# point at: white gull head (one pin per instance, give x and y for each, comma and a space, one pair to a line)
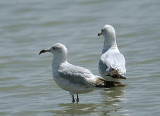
58, 49
109, 37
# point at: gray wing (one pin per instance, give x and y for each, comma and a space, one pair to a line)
112, 61
76, 74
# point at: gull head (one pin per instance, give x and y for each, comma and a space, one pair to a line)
56, 49
107, 30
109, 36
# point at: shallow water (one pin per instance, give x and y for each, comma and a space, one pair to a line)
26, 84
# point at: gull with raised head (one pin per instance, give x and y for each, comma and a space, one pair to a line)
112, 62
75, 79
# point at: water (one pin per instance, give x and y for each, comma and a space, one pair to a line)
26, 84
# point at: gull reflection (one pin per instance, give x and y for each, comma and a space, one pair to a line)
110, 99
104, 105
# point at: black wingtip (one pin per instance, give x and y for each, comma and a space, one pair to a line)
109, 84
114, 74
103, 83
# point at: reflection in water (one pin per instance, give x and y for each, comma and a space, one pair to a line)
108, 104
110, 99
112, 95
75, 109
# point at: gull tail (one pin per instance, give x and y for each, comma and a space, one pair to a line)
114, 74
103, 83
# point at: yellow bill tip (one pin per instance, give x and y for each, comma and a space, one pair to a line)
99, 34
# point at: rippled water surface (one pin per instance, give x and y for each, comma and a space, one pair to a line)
26, 84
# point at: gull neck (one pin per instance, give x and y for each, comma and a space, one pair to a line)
58, 60
109, 43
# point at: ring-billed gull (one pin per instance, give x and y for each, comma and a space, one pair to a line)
75, 79
112, 62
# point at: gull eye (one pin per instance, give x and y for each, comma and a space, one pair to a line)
101, 30
54, 48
